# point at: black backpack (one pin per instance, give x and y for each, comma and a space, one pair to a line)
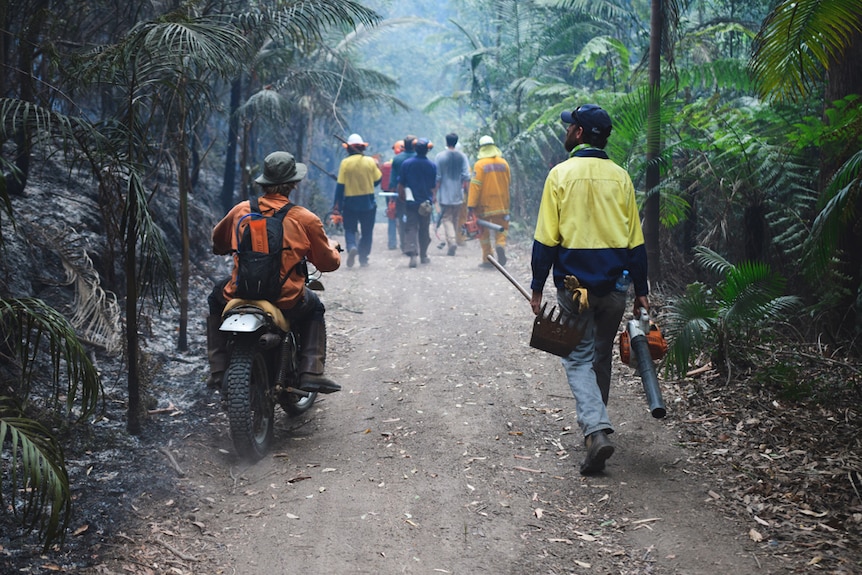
259, 254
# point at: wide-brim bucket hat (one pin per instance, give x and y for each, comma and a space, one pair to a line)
281, 168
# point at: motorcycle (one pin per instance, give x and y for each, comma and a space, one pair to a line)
263, 370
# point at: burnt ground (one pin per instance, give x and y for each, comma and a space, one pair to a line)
453, 448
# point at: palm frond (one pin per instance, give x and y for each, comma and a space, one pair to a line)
5, 204
96, 313
689, 324
303, 21
603, 9
27, 322
798, 40
711, 261
746, 293
180, 41
267, 104
839, 209
35, 466
155, 275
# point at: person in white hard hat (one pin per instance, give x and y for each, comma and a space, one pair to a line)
488, 198
354, 198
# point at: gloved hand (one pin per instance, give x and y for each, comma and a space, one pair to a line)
579, 294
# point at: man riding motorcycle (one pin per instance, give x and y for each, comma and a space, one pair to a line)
304, 239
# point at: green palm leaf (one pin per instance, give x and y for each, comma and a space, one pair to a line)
798, 40
27, 322
690, 327
838, 212
33, 465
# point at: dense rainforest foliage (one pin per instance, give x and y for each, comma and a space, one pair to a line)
739, 121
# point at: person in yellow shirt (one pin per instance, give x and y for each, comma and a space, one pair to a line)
488, 198
588, 227
354, 198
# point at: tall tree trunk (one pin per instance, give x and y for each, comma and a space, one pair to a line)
843, 79
183, 184
133, 414
245, 177
26, 51
229, 181
652, 206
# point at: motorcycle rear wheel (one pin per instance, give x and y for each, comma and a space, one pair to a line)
251, 410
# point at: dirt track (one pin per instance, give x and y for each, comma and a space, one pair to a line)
453, 448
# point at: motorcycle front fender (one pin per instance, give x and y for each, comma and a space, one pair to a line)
243, 323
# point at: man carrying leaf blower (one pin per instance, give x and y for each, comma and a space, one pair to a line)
588, 230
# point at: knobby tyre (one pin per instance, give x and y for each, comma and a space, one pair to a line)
250, 407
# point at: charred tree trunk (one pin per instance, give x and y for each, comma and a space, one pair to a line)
26, 57
229, 181
133, 413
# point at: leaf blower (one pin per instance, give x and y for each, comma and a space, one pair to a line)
640, 344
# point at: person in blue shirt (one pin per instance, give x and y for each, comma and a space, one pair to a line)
417, 185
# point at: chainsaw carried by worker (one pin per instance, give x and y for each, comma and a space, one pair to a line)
471, 230
264, 351
641, 343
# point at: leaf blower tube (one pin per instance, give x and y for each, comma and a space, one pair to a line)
645, 366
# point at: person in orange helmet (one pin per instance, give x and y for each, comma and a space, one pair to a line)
388, 185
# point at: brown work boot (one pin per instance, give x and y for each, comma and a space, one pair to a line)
312, 339
318, 383
501, 255
217, 353
599, 449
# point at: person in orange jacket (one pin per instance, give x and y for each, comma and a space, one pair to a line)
387, 184
306, 238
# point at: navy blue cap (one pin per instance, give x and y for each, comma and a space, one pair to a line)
591, 118
422, 145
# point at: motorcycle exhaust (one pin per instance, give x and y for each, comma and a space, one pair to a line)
269, 340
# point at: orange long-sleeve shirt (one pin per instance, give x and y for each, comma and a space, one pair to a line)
303, 233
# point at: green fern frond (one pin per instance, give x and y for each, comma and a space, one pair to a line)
725, 74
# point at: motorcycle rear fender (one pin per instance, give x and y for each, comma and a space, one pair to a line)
262, 312
243, 322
